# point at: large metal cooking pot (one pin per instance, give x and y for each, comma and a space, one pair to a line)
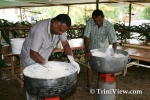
52, 87
109, 65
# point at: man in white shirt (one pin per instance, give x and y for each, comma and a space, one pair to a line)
41, 40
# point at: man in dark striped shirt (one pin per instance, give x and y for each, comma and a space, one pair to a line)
98, 33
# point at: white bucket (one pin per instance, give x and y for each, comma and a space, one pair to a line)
16, 45
59, 44
78, 42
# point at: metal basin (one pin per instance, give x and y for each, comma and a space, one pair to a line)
109, 65
51, 87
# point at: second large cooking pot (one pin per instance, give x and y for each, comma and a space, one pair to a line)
109, 64
52, 87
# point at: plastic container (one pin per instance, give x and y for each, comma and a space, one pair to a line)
77, 42
16, 45
59, 44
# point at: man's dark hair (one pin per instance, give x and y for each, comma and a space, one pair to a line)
63, 18
97, 13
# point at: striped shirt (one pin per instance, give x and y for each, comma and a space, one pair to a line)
40, 40
99, 37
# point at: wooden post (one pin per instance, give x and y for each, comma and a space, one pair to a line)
130, 5
97, 4
20, 14
68, 9
85, 13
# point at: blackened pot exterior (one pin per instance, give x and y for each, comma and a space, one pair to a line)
109, 65
50, 87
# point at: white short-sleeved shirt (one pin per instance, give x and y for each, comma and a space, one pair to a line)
100, 37
40, 40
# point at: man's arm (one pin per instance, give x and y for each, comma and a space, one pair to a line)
114, 46
86, 43
112, 36
66, 47
87, 32
37, 57
68, 51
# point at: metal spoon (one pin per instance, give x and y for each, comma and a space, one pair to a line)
46, 67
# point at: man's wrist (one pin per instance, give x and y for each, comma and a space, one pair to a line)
70, 57
45, 63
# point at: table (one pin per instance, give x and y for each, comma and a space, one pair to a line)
7, 52
138, 54
72, 48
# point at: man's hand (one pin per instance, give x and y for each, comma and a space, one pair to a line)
112, 52
75, 64
46, 65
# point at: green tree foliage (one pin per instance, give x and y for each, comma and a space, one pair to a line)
49, 12
146, 14
80, 13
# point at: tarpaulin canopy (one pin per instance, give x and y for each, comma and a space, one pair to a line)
37, 3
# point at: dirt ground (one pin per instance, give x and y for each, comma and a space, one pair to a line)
135, 79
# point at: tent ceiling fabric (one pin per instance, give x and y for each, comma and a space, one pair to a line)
33, 3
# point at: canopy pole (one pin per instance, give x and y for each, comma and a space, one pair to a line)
97, 4
130, 5
68, 9
85, 13
20, 14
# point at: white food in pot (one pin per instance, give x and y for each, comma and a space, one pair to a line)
102, 54
55, 70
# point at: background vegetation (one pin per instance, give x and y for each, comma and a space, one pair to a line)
80, 13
